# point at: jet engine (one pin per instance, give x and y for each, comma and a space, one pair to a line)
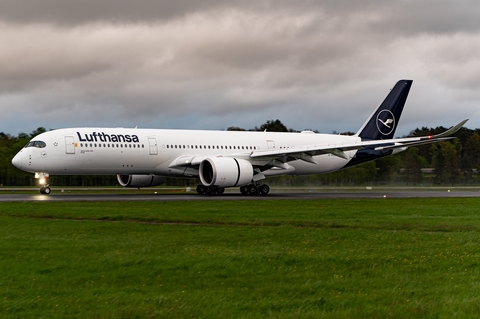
139, 181
225, 172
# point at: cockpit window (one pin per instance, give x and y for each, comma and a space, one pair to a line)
37, 144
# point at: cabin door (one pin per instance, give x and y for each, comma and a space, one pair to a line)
270, 144
153, 149
69, 145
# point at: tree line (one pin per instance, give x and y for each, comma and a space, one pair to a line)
454, 162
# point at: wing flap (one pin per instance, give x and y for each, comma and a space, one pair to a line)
306, 153
413, 143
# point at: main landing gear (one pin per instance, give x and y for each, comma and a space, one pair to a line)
250, 189
210, 190
255, 189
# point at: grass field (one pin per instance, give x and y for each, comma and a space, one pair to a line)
385, 258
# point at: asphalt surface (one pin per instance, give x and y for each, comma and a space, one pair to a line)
66, 197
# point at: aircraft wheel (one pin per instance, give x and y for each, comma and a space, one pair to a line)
220, 190
208, 190
243, 190
264, 189
45, 190
201, 189
252, 189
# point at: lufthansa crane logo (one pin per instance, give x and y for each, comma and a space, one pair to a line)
385, 122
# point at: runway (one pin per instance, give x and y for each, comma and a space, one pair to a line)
275, 195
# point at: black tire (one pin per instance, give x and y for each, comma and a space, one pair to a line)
243, 190
220, 190
264, 189
45, 190
252, 189
201, 189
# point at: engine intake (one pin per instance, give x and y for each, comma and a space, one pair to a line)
225, 172
139, 181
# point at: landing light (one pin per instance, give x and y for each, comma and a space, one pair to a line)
42, 181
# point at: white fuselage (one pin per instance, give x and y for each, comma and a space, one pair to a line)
103, 151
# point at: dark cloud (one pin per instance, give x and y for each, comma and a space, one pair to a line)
212, 64
93, 11
407, 15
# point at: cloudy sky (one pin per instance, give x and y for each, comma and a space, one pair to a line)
211, 64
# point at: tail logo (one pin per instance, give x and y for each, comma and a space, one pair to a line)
385, 122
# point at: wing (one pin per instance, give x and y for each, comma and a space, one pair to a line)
279, 158
306, 153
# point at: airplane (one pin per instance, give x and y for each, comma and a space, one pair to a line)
220, 159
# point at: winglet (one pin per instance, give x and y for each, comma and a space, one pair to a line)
452, 130
424, 140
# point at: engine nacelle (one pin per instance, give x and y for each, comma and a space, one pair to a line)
139, 181
225, 172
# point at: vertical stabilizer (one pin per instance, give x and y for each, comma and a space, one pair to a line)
383, 122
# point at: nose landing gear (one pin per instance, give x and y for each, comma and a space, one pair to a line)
45, 190
42, 180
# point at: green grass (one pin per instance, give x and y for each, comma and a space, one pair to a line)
386, 258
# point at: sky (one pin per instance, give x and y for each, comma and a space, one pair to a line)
211, 64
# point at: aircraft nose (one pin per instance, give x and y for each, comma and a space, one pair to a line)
17, 161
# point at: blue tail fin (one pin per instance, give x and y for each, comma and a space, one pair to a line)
383, 122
